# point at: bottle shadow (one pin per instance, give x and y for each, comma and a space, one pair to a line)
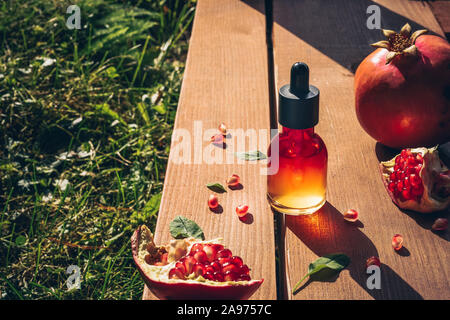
327, 232
385, 153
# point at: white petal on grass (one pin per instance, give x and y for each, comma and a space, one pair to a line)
47, 198
115, 122
76, 121
62, 184
48, 62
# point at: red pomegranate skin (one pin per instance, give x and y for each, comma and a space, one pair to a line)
406, 103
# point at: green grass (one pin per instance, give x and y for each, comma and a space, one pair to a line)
85, 123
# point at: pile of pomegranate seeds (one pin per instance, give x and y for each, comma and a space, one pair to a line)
212, 262
397, 242
351, 215
405, 182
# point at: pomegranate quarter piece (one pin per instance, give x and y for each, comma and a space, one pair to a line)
194, 270
418, 180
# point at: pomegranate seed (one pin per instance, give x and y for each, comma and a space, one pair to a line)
223, 129
373, 261
209, 276
230, 276
391, 186
242, 210
244, 277
189, 263
440, 224
414, 179
216, 265
211, 251
180, 265
418, 168
196, 247
419, 158
244, 269
233, 181
176, 273
237, 261
210, 269
411, 161
397, 242
351, 215
213, 201
200, 256
224, 253
218, 276
199, 269
223, 261
227, 267
217, 139
406, 195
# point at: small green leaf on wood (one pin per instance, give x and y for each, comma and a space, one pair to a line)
334, 262
251, 155
216, 187
182, 227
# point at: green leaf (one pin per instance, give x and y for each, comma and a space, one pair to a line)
334, 262
20, 241
160, 108
182, 227
251, 155
216, 187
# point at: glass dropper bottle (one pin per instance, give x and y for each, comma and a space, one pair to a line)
299, 184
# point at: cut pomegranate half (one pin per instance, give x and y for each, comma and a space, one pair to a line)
417, 179
192, 269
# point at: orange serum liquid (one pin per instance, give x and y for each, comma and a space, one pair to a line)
299, 185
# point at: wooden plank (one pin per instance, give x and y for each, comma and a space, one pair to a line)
332, 38
225, 81
441, 10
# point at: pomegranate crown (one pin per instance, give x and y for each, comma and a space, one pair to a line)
399, 43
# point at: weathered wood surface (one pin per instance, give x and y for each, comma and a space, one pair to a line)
331, 37
225, 81
441, 10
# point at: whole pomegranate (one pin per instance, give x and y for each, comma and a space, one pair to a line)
402, 90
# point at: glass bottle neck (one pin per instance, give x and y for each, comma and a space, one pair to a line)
298, 133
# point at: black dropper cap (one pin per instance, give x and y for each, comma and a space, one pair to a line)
298, 102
